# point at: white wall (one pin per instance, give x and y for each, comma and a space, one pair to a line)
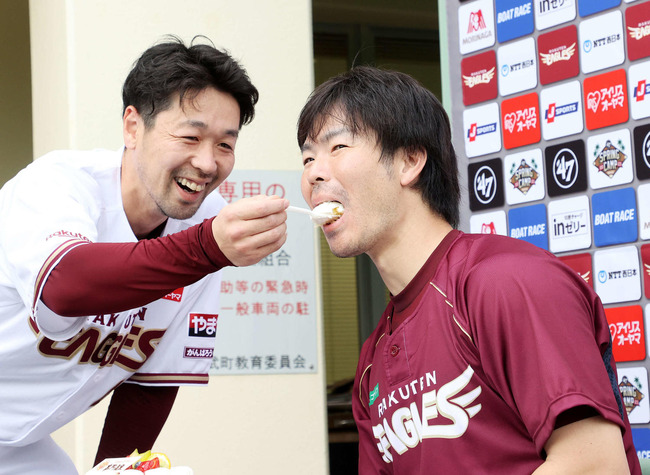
81, 52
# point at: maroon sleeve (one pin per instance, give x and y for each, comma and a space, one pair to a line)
99, 278
135, 417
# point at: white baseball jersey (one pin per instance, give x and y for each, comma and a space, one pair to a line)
54, 368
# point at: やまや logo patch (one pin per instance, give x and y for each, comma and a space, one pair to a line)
202, 324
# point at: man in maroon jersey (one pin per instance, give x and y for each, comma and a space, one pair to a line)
492, 356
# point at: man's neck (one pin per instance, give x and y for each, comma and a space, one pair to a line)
142, 223
412, 245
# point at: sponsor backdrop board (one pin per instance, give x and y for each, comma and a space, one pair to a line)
552, 129
269, 307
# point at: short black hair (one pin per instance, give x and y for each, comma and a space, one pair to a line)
172, 67
402, 114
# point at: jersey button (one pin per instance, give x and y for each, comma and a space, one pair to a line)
394, 350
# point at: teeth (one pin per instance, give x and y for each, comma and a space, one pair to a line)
190, 184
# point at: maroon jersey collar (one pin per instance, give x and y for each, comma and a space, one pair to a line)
413, 290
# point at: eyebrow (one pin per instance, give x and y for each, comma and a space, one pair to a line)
199, 124
329, 135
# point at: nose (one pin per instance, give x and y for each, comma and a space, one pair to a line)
205, 160
316, 171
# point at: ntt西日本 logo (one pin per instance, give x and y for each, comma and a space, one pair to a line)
601, 40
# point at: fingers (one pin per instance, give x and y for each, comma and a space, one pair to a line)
251, 228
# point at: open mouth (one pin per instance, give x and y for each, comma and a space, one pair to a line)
327, 212
189, 186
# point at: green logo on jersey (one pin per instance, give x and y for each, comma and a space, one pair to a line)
374, 394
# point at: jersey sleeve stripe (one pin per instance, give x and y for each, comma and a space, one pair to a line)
50, 262
169, 378
360, 384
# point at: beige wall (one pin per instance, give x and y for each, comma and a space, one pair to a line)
15, 89
81, 52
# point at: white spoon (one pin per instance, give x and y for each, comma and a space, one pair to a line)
324, 213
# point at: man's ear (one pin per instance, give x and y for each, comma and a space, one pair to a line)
412, 163
131, 125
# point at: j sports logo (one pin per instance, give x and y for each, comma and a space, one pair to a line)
476, 130
605, 99
476, 26
637, 20
562, 106
520, 119
554, 111
639, 89
479, 77
558, 55
482, 130
202, 324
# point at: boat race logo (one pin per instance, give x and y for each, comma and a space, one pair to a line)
514, 19
610, 159
631, 393
524, 176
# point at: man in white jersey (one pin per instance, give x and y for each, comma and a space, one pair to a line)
109, 260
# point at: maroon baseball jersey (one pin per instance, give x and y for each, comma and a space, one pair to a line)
474, 360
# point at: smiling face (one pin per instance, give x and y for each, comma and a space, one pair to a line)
340, 166
175, 163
